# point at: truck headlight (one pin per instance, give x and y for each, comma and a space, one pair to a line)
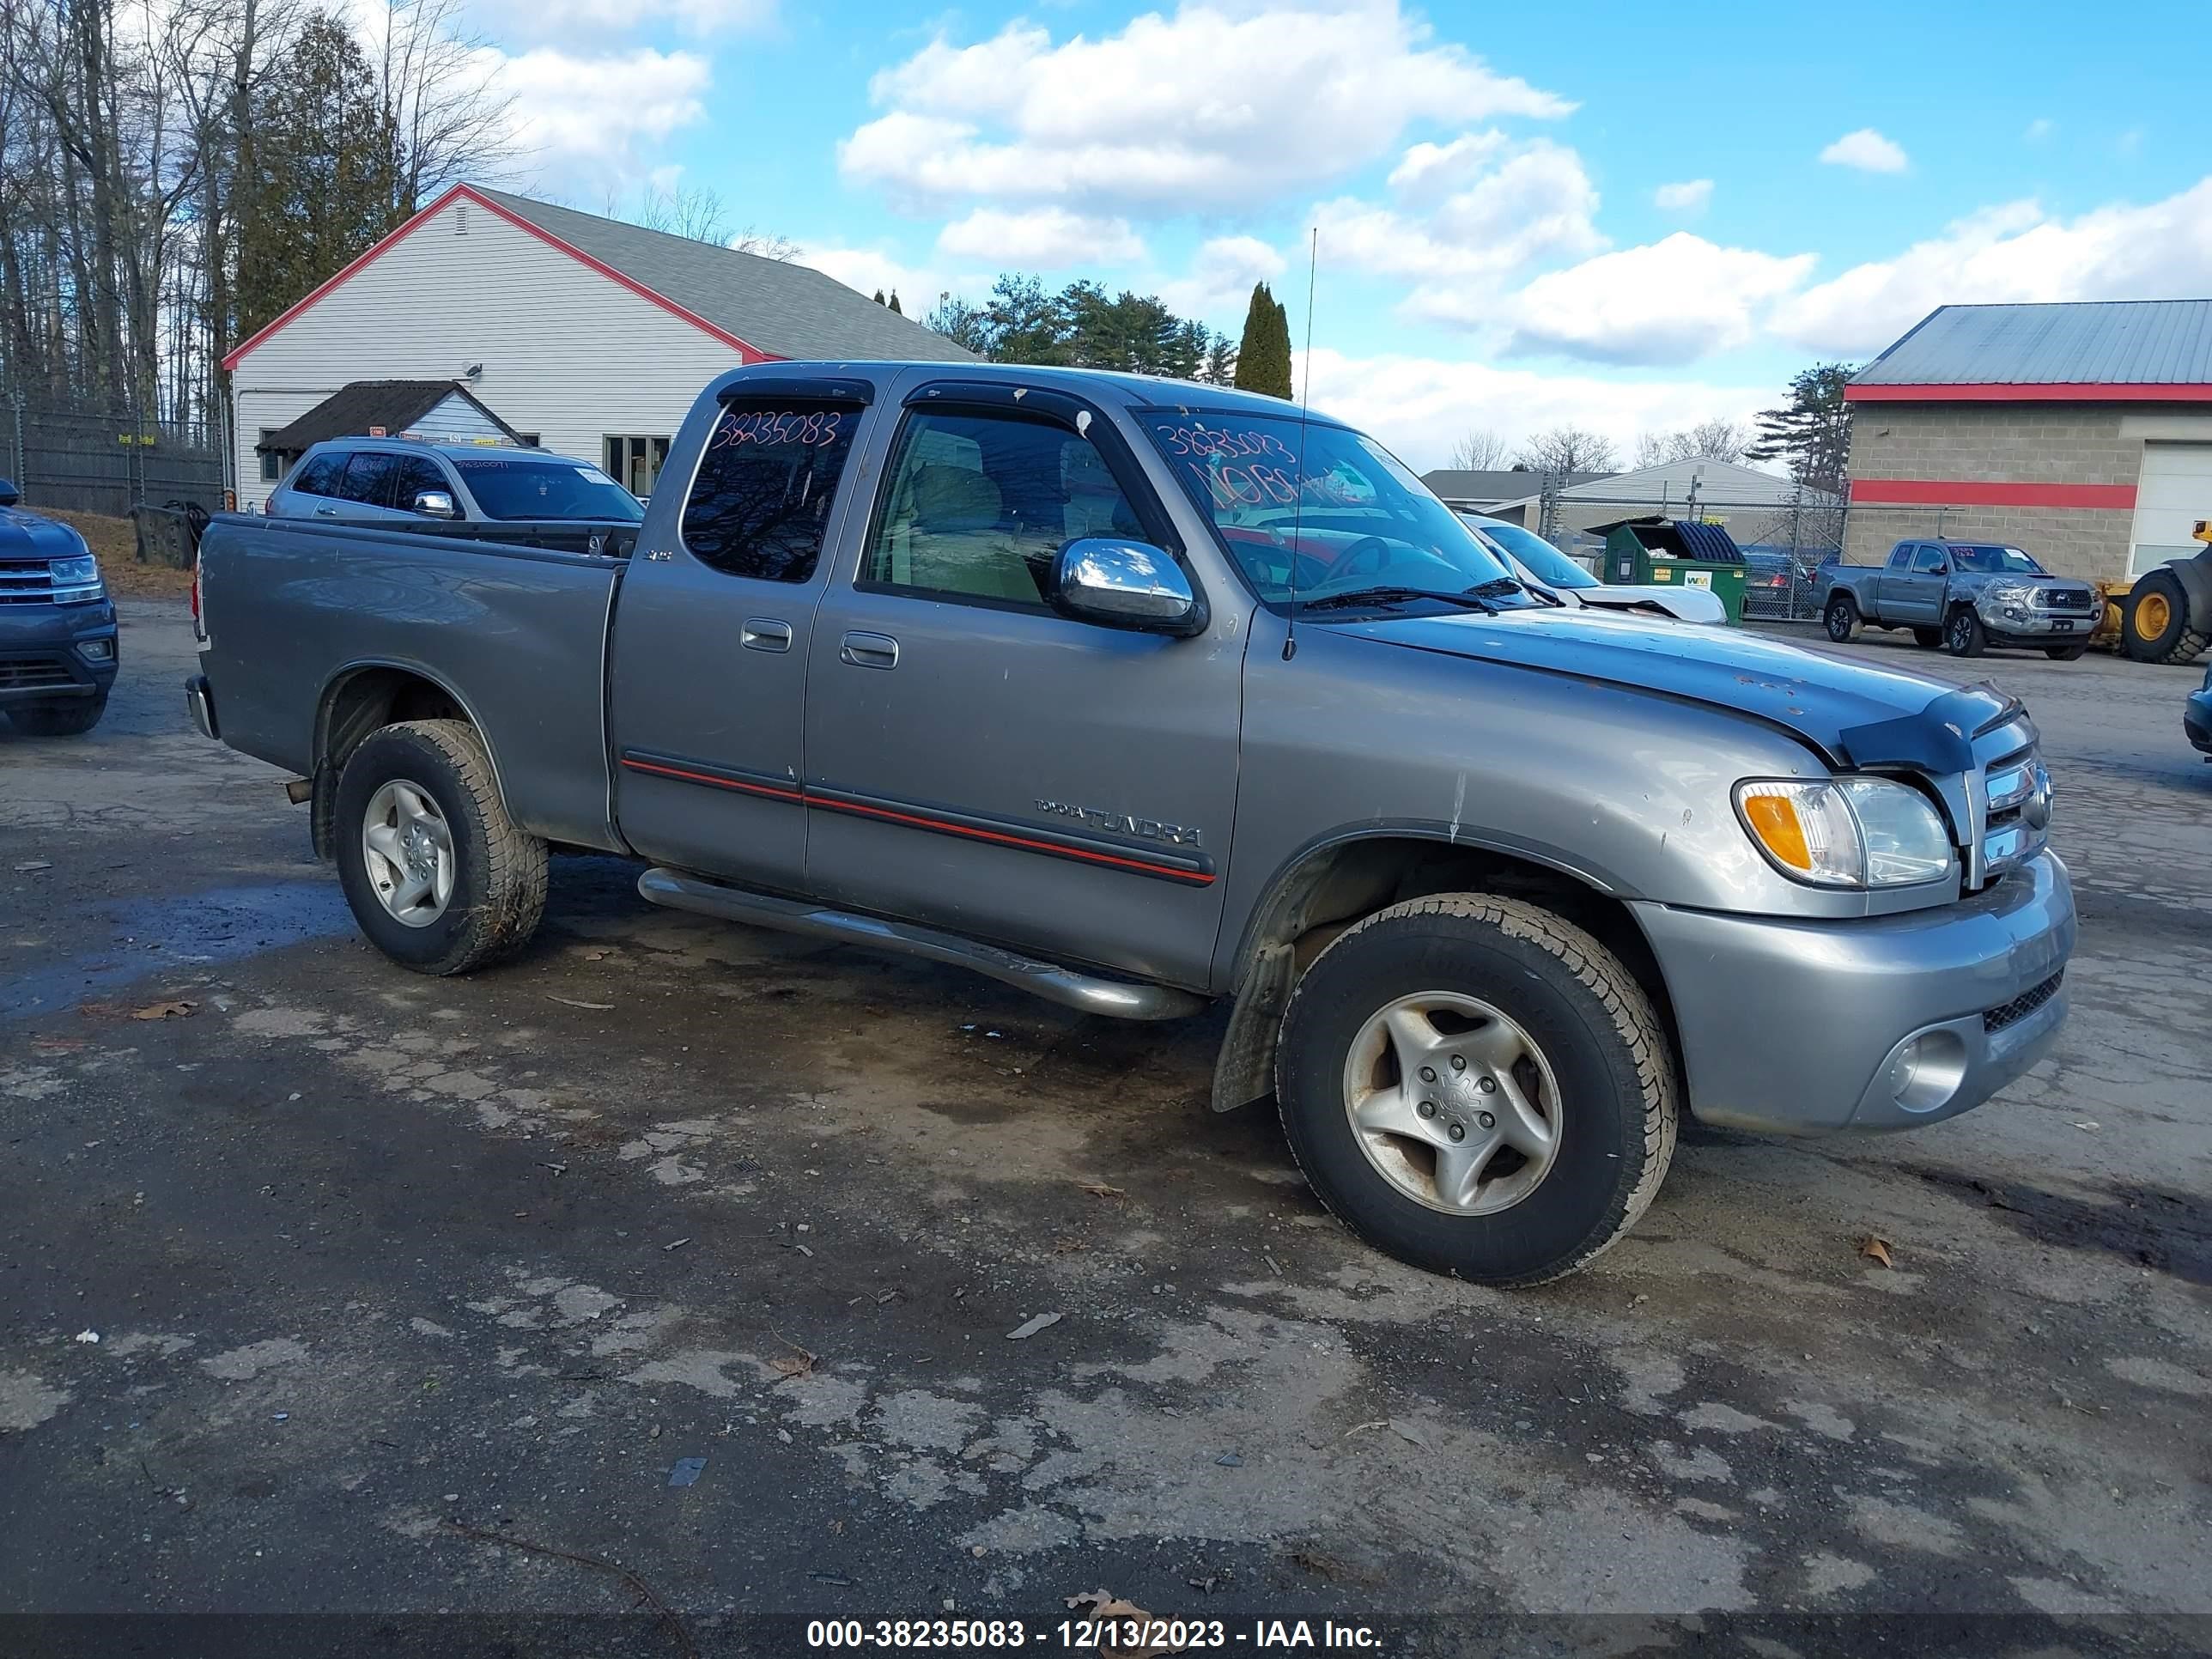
1851, 832
74, 580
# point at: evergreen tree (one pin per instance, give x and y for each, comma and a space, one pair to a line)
1263, 359
320, 187
879, 296
895, 304
1813, 431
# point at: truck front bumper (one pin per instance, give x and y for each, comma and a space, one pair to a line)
1803, 1027
2029, 626
56, 651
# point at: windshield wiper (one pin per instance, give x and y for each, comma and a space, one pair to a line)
1469, 600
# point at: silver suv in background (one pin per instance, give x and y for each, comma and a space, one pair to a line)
407, 481
1541, 565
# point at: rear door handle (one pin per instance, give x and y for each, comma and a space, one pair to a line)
870, 651
765, 633
326, 513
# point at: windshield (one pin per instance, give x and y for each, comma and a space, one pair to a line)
1995, 561
1544, 561
1349, 518
527, 487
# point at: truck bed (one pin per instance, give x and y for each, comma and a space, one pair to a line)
516, 613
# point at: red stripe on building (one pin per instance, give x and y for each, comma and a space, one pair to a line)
1934, 492
751, 353
2040, 393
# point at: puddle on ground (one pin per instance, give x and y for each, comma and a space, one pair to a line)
167, 935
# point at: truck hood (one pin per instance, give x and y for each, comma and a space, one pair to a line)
27, 536
1856, 715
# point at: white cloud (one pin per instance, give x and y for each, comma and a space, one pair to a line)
1519, 203
2162, 250
871, 270
1039, 238
1418, 406
1219, 286
585, 124
2040, 129
1690, 195
1867, 150
1671, 302
1218, 106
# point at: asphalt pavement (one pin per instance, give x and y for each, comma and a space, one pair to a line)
656, 1293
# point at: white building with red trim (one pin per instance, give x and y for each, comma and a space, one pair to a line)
2080, 432
589, 335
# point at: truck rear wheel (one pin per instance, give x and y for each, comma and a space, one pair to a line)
1841, 619
2155, 625
63, 717
1963, 636
1478, 1088
438, 875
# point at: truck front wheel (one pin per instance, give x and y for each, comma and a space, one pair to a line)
1962, 634
1477, 1087
1841, 619
438, 875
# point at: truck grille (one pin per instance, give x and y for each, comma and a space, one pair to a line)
2011, 1013
32, 676
2064, 599
31, 582
2012, 787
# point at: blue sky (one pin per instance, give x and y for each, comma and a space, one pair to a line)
1629, 217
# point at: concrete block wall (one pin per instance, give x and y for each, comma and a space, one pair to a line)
2042, 443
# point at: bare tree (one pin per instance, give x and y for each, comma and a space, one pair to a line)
1717, 439
766, 246
1567, 448
444, 116
700, 215
1481, 450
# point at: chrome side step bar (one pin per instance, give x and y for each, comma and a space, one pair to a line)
1090, 994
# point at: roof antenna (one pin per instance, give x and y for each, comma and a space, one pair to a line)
1305, 412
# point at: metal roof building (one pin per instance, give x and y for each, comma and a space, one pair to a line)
2082, 432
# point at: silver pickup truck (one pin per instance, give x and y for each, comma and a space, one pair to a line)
1963, 596
1146, 697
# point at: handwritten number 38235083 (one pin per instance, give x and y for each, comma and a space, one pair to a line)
767, 427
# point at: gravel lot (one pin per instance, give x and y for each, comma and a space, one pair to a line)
368, 1256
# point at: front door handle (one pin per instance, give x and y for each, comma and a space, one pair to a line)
765, 633
870, 651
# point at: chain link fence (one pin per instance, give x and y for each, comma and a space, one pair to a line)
105, 461
1785, 543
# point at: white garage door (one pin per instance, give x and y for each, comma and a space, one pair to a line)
2176, 491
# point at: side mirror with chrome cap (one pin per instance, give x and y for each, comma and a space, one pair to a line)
1118, 583
434, 504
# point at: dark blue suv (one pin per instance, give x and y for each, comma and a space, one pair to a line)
58, 645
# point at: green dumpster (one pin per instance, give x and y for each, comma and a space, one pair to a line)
1684, 552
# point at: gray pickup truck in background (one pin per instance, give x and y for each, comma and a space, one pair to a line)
1963, 596
1148, 696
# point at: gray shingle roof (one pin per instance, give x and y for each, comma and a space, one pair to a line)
785, 309
2089, 343
351, 410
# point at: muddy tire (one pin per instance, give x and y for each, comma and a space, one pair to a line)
1963, 636
438, 875
1478, 1088
64, 717
1841, 618
1928, 638
2155, 625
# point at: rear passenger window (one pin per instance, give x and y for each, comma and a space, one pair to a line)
368, 478
319, 476
760, 504
979, 505
1900, 556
